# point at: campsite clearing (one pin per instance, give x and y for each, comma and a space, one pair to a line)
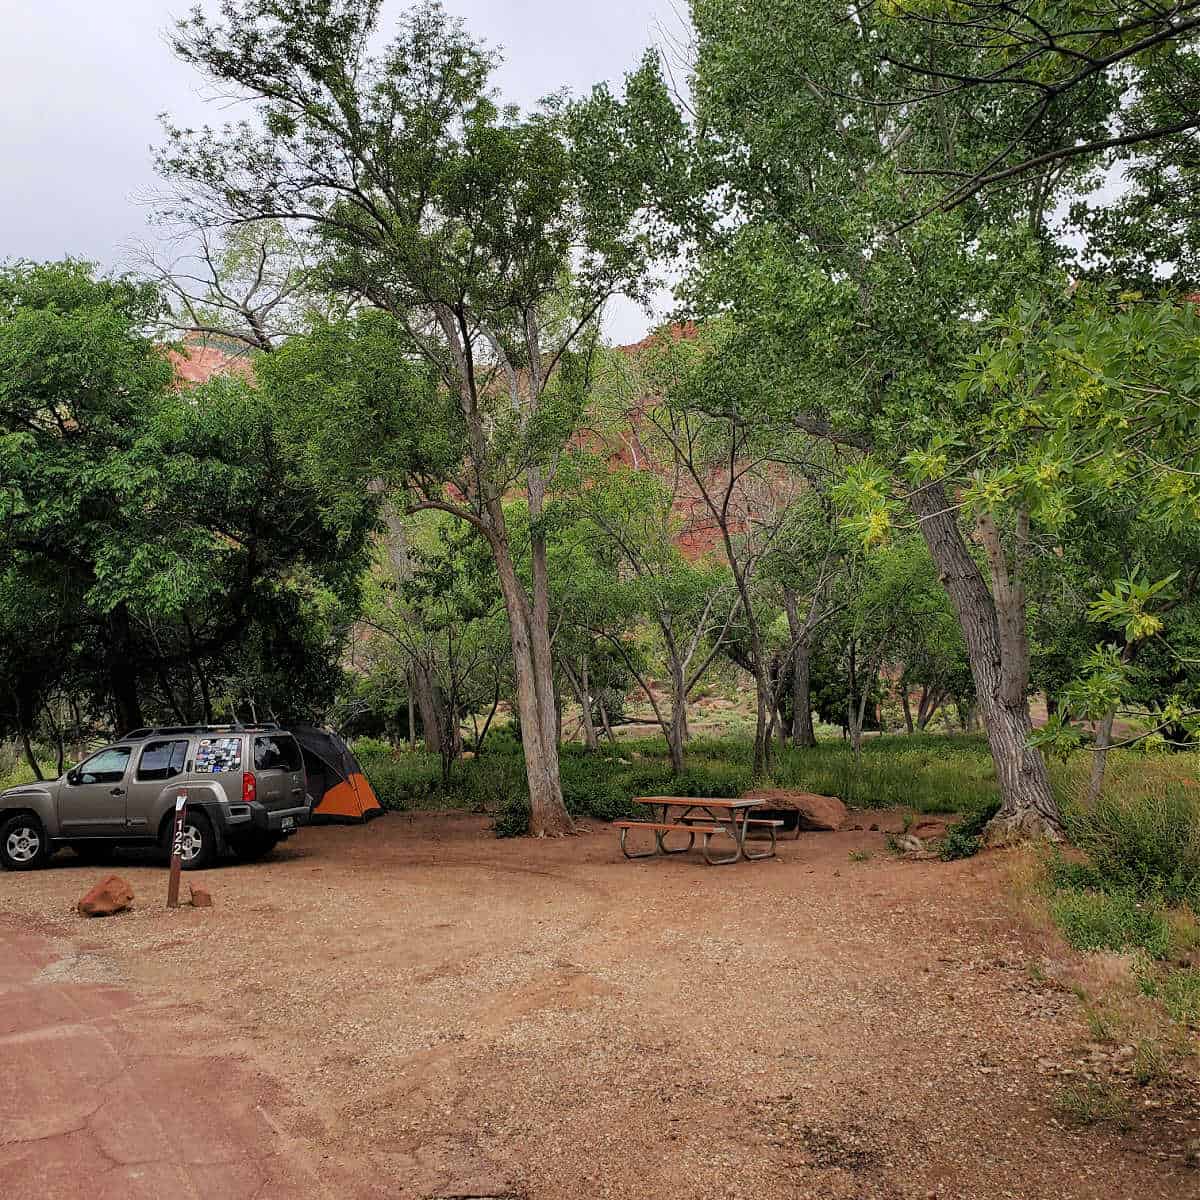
413, 1009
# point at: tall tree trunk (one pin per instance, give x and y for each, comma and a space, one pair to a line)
993, 626
122, 674
803, 733
1100, 758
430, 709
908, 719
30, 757
677, 733
548, 816
579, 681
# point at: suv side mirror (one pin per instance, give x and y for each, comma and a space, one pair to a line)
73, 777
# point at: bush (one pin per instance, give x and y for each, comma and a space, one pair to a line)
372, 747
1112, 920
1149, 843
964, 838
512, 818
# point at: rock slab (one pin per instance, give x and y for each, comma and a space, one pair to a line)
111, 895
815, 812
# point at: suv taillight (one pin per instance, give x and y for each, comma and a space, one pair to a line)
249, 788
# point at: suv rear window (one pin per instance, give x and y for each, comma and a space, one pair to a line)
162, 760
277, 753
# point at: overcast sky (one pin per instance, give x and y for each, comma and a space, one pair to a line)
82, 84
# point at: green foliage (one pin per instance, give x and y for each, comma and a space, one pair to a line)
964, 838
1149, 843
1118, 919
928, 773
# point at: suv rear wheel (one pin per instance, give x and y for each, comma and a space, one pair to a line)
23, 843
198, 843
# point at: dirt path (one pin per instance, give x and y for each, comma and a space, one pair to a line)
412, 1009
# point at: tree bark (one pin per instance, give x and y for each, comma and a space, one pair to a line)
803, 733
1100, 758
904, 704
121, 672
993, 627
579, 685
30, 757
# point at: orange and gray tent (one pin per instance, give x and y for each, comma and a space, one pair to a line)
340, 790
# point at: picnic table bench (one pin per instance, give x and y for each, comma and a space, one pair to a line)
711, 817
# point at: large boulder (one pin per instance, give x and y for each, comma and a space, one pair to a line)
111, 895
812, 811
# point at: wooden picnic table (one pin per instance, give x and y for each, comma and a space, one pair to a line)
709, 816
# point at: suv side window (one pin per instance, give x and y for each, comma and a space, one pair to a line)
280, 753
108, 766
162, 760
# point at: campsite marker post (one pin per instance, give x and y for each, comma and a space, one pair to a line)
176, 852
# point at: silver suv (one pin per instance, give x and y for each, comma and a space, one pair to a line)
245, 789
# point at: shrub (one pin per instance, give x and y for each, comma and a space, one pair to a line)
1149, 842
512, 818
964, 838
372, 747
1113, 920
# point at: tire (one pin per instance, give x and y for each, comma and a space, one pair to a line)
23, 843
256, 846
199, 841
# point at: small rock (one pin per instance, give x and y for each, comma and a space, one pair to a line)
111, 895
874, 827
201, 897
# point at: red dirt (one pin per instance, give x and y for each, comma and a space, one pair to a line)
413, 1009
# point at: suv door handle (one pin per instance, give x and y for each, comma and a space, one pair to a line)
297, 791
117, 792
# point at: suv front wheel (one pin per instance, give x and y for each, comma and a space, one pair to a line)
198, 844
23, 843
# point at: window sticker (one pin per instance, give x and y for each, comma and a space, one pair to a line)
215, 756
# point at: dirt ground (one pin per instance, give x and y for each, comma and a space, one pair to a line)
413, 1009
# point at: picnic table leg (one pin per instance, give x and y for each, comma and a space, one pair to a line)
637, 853
729, 832
769, 853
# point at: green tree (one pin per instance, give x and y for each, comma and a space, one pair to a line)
853, 316
459, 219
178, 558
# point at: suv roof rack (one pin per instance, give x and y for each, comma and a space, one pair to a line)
236, 727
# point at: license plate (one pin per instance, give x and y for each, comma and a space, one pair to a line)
287, 823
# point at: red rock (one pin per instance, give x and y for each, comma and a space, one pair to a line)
816, 812
111, 895
201, 897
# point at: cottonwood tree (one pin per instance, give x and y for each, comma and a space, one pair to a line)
1032, 68
252, 285
738, 478
636, 514
492, 238
862, 315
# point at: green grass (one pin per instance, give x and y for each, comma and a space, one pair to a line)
930, 773
1115, 920
1179, 992
924, 773
1092, 1103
